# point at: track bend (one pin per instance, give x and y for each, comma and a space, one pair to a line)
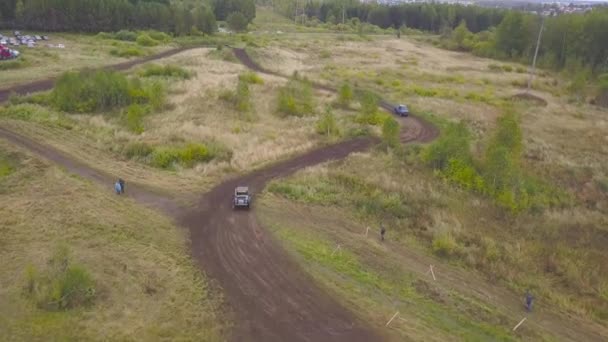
274, 300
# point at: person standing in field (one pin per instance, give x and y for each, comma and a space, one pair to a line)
122, 185
529, 300
117, 188
382, 231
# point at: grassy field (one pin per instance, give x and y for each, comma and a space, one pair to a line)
377, 279
81, 51
556, 252
490, 255
195, 113
145, 286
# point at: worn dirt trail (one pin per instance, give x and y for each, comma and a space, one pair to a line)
273, 299
47, 84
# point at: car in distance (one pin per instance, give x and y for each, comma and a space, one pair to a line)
401, 110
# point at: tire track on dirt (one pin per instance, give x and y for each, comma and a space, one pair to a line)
48, 83
273, 299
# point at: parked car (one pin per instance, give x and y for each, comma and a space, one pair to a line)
402, 110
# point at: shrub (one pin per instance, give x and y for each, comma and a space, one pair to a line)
390, 132
103, 90
240, 99
507, 68
495, 67
251, 78
296, 98
134, 116
159, 36
454, 143
145, 40
6, 165
185, 156
126, 35
168, 70
345, 95
445, 245
62, 286
327, 124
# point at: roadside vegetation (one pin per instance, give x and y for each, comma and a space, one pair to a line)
296, 98
69, 270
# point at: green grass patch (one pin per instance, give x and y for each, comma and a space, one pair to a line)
296, 98
20, 62
371, 286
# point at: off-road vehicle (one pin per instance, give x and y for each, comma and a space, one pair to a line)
242, 199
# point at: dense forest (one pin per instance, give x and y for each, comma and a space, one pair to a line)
571, 41
176, 16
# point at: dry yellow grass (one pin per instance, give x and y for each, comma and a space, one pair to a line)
147, 286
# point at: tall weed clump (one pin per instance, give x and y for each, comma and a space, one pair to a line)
62, 285
240, 98
168, 70
296, 98
499, 173
87, 92
369, 113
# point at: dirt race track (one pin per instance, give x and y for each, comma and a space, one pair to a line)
272, 298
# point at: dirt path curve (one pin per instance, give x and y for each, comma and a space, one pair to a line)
47, 84
274, 299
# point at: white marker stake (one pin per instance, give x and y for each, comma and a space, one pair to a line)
432, 273
336, 249
518, 324
392, 318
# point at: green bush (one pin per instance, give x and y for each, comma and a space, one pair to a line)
296, 98
507, 68
126, 35
327, 124
240, 99
7, 165
345, 95
390, 132
168, 70
251, 78
145, 40
134, 117
103, 90
159, 36
445, 245
62, 286
185, 156
453, 143
495, 67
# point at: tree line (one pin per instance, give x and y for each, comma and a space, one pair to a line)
574, 41
177, 16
